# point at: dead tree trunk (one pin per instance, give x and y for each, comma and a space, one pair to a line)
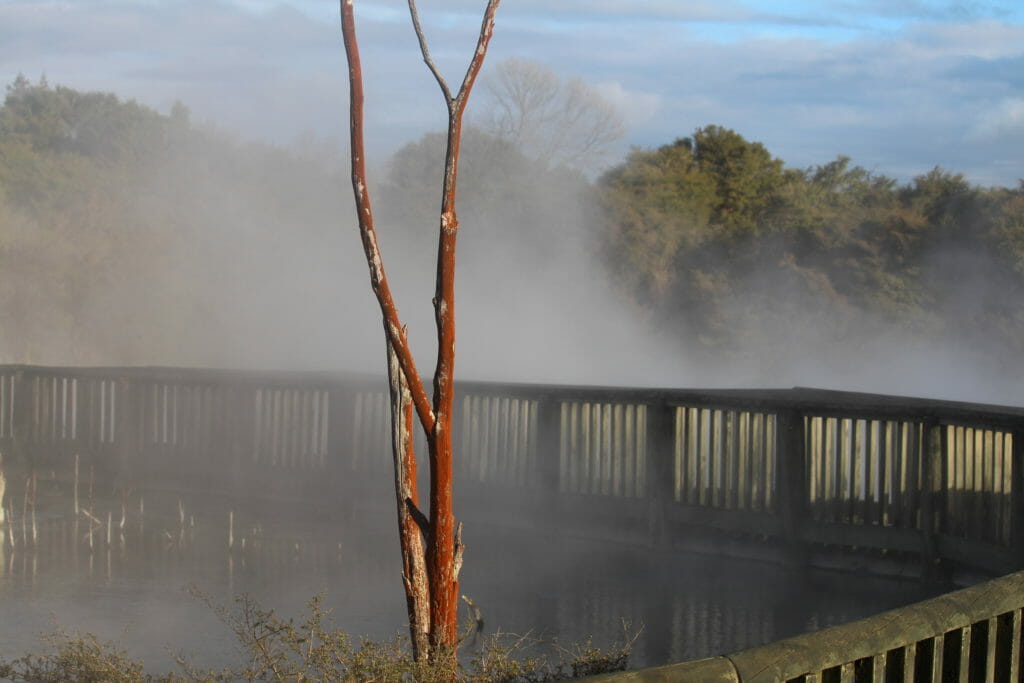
430, 571
414, 570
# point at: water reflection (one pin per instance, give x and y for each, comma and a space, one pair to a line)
129, 582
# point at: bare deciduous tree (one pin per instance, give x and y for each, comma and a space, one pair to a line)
561, 121
431, 545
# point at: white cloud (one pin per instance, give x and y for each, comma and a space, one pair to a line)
1005, 120
988, 39
906, 74
637, 107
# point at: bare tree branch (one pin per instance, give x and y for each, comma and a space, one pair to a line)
554, 120
486, 31
443, 551
484, 38
378, 279
426, 53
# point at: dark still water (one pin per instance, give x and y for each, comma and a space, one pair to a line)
136, 591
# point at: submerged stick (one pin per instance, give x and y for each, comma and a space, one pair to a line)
4, 519
35, 529
76, 485
92, 517
181, 523
24, 512
3, 487
231, 529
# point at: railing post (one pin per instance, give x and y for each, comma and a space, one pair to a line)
660, 484
792, 479
128, 464
219, 435
549, 446
1017, 496
22, 423
550, 509
931, 460
341, 425
241, 408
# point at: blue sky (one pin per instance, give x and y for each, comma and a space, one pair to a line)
900, 86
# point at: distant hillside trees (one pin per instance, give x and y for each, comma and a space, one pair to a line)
725, 244
512, 204
129, 236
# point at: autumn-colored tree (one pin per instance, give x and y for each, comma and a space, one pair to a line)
431, 544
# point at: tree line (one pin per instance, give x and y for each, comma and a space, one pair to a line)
732, 249
131, 236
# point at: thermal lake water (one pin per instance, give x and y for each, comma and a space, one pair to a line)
137, 591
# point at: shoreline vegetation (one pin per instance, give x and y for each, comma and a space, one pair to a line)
311, 649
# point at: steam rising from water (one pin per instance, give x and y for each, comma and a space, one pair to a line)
264, 269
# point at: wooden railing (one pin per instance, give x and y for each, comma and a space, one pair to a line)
971, 635
800, 472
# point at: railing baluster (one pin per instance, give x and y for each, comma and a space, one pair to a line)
792, 475
910, 663
878, 663
1016, 646
938, 652
1016, 466
966, 638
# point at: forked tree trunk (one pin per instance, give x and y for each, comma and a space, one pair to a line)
430, 572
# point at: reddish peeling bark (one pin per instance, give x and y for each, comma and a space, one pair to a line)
444, 547
430, 574
378, 279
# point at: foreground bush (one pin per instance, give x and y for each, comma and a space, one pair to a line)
77, 658
312, 650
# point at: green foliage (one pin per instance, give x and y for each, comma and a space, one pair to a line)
747, 180
659, 206
725, 244
79, 659
512, 209
60, 146
129, 236
501, 190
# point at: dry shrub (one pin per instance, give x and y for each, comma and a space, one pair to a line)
278, 649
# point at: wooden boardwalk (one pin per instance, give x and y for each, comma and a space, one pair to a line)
801, 472
802, 475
